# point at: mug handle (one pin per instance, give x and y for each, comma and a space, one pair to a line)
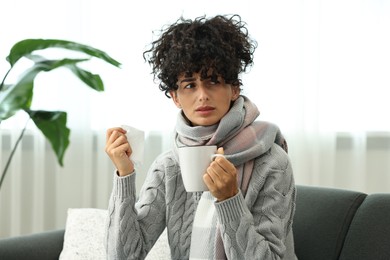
213, 156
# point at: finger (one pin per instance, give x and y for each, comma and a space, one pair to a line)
115, 140
117, 137
219, 179
215, 171
218, 184
110, 131
208, 181
122, 143
123, 149
225, 164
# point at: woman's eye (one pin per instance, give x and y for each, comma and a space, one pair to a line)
213, 82
188, 86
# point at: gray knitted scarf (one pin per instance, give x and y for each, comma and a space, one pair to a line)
243, 140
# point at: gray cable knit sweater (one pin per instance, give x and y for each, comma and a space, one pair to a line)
258, 226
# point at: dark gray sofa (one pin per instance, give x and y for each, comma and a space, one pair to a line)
329, 224
341, 224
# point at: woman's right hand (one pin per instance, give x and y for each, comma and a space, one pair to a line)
119, 150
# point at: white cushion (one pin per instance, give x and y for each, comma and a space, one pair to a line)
84, 234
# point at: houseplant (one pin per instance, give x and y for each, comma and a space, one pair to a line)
19, 95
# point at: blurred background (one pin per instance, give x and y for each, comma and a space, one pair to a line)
321, 72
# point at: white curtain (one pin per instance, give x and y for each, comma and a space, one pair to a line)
321, 73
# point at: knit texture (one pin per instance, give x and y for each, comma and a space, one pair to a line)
257, 226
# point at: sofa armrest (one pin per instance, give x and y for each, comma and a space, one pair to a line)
45, 245
368, 236
322, 219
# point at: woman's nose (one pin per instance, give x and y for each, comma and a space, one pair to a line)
203, 93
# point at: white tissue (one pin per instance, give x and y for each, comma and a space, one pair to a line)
136, 139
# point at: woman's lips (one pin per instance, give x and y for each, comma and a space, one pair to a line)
204, 110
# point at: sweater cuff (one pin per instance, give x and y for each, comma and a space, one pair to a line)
231, 209
124, 187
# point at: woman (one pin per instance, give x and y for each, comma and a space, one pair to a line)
248, 211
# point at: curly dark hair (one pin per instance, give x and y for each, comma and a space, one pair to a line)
220, 44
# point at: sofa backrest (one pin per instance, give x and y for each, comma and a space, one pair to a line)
369, 234
322, 219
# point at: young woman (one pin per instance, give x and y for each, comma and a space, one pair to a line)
248, 211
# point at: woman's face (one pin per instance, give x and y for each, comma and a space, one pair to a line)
204, 102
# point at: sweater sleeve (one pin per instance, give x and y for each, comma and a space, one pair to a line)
133, 227
258, 226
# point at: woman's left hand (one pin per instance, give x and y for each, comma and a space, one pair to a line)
221, 178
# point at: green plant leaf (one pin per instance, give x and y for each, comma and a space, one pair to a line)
18, 96
27, 46
92, 80
48, 65
53, 125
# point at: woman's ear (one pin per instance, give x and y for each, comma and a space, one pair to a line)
235, 92
174, 97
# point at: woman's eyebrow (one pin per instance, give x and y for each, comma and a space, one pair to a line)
186, 80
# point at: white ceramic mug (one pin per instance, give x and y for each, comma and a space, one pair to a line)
194, 161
